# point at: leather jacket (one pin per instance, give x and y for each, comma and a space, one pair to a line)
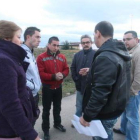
107, 94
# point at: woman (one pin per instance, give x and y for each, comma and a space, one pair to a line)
16, 111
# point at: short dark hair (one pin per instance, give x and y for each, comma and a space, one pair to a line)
134, 34
30, 31
105, 28
86, 36
52, 38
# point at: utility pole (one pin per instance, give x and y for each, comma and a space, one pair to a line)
131, 16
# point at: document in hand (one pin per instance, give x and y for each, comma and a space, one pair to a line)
95, 129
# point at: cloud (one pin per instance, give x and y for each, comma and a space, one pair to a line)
27, 11
69, 19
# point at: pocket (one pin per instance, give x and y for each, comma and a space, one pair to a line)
27, 109
26, 102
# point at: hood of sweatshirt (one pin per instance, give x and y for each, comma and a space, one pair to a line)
114, 46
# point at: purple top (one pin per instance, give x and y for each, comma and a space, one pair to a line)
16, 114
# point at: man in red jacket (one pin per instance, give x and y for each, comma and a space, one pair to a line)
53, 68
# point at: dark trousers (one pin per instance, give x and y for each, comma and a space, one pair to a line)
36, 101
49, 96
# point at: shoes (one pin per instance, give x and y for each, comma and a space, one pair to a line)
118, 131
46, 136
60, 127
72, 125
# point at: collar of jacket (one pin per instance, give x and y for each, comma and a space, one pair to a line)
52, 54
114, 46
27, 48
133, 49
12, 50
87, 51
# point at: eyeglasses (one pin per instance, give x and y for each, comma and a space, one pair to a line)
127, 39
83, 43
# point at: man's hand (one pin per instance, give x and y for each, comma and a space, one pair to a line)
84, 71
83, 122
59, 76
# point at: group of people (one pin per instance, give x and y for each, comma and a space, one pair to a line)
21, 79
107, 82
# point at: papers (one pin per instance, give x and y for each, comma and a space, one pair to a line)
95, 129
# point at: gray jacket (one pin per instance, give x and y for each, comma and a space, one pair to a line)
135, 70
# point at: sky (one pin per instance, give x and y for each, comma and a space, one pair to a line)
70, 19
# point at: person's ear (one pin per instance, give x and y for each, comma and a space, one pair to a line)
137, 40
28, 37
98, 33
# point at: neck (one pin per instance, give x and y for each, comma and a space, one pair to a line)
103, 40
88, 50
28, 46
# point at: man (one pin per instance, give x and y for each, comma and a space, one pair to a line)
106, 96
82, 59
130, 117
31, 41
53, 68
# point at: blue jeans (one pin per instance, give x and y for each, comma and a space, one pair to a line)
108, 125
79, 99
130, 118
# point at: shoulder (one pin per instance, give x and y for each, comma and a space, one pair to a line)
137, 50
109, 56
42, 55
61, 55
78, 53
26, 49
4, 58
7, 64
93, 51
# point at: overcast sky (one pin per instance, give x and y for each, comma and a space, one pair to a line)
69, 19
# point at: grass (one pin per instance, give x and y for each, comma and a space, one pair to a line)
68, 84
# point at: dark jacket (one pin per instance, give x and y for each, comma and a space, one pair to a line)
16, 111
108, 93
82, 59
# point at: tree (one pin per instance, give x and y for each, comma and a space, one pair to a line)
65, 45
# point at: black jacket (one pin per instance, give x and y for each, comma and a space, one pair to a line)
108, 93
82, 59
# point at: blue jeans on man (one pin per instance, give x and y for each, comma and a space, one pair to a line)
108, 125
130, 118
79, 99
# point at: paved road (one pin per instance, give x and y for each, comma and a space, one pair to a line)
68, 109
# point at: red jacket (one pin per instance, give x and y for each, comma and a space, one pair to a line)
49, 65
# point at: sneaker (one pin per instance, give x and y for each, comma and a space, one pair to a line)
72, 125
60, 127
46, 136
118, 131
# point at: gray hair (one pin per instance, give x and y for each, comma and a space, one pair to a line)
86, 36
